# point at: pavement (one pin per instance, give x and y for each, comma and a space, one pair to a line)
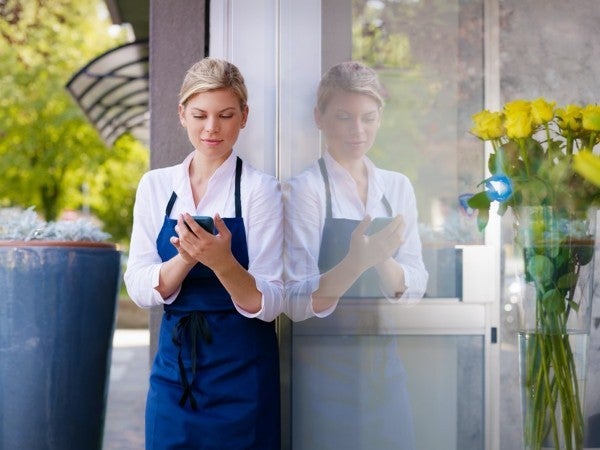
128, 385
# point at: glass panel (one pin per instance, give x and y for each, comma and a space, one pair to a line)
365, 377
361, 391
429, 55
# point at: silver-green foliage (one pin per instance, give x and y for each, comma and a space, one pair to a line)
18, 224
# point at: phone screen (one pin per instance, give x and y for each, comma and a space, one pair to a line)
378, 224
205, 222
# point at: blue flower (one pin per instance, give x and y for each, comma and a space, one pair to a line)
498, 188
463, 201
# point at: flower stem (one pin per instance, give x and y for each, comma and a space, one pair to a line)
523, 152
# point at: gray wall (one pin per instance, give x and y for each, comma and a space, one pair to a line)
177, 40
551, 49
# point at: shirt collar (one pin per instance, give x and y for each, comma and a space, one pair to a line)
341, 175
181, 177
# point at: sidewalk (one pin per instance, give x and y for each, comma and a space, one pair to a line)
124, 426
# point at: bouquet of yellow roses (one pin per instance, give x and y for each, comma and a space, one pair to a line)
542, 156
542, 166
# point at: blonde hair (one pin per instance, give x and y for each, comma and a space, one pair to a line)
350, 76
209, 74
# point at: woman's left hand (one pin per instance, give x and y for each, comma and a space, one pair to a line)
197, 244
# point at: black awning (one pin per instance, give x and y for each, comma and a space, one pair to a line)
113, 91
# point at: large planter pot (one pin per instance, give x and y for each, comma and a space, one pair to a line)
555, 323
57, 316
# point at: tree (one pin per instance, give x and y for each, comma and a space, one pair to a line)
48, 149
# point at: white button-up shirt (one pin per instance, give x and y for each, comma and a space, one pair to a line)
263, 219
305, 211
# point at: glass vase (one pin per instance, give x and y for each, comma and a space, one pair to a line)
554, 324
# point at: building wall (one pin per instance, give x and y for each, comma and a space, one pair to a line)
177, 40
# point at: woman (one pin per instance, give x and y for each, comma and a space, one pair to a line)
351, 232
214, 382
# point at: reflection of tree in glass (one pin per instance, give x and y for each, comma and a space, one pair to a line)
429, 58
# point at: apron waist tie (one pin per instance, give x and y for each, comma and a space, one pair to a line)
198, 328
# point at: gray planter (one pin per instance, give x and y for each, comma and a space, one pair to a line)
57, 316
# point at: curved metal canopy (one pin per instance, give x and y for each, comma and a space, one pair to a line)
113, 91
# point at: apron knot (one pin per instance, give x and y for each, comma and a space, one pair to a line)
197, 328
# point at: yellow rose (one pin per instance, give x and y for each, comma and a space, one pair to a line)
487, 125
569, 117
590, 118
542, 111
586, 164
517, 107
517, 119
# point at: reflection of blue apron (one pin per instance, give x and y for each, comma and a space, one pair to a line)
335, 243
214, 383
349, 390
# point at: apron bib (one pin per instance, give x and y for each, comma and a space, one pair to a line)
335, 243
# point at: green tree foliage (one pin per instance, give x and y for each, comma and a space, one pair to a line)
111, 197
48, 149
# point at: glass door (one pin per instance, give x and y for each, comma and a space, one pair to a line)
377, 374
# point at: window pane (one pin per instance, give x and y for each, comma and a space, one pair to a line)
429, 55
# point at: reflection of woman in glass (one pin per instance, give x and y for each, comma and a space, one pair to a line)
351, 232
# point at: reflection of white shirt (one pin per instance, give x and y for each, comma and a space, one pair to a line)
305, 202
263, 220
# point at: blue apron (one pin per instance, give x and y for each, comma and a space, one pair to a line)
214, 383
335, 243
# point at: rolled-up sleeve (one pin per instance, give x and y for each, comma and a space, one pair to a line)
263, 215
303, 222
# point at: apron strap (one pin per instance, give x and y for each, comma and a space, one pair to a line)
169, 207
328, 211
197, 326
238, 179
387, 205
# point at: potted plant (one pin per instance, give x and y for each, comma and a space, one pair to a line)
59, 283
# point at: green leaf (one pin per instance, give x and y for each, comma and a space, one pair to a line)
502, 208
479, 201
492, 167
574, 306
509, 155
567, 281
553, 301
584, 253
540, 268
535, 153
483, 218
532, 190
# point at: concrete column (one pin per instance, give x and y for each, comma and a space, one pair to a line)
178, 38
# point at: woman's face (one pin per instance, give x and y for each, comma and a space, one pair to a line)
213, 121
349, 124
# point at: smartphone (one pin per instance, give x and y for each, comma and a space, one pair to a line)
378, 224
205, 222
